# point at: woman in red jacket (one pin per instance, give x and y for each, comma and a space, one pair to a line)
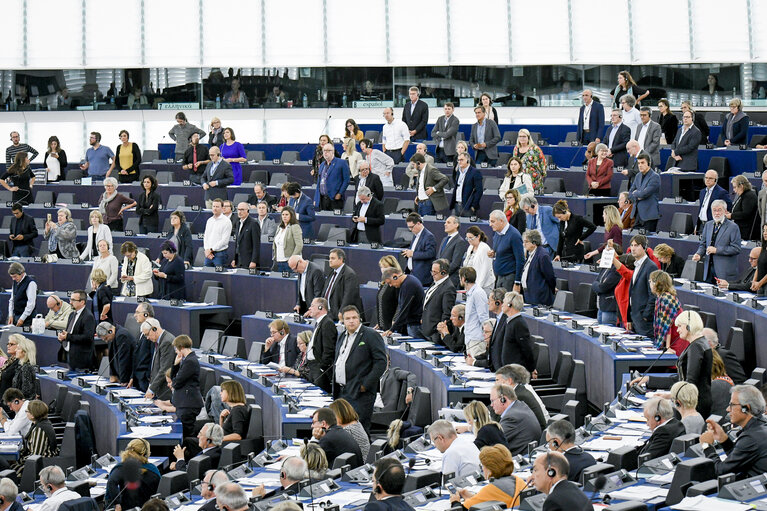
600, 173
622, 289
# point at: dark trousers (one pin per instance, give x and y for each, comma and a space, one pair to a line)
116, 225
187, 417
600, 192
481, 157
396, 155
647, 225
441, 157
149, 225
22, 251
328, 203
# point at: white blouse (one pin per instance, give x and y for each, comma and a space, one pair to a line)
483, 265
279, 243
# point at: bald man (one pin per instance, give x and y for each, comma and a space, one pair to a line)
247, 238
745, 282
711, 192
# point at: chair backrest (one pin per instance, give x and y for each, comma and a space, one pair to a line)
43, 196
554, 185
259, 176
671, 162
256, 156
503, 159
176, 201
69, 442
71, 403
420, 408
150, 155
81, 504
164, 177
278, 178
73, 174
61, 396
585, 296
32, 466
709, 320
288, 156
234, 346
210, 339
173, 482
565, 301
721, 165
693, 270
322, 234
682, 223
373, 136
376, 448
147, 172
199, 259
131, 224
81, 487
511, 137
207, 379
404, 233
207, 284
337, 233
239, 197
198, 465
563, 369
749, 343
230, 454
405, 206
543, 362
255, 351
343, 459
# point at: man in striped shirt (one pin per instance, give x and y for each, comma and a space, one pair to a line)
16, 147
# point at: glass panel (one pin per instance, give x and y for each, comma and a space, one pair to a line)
300, 45
413, 41
116, 42
356, 32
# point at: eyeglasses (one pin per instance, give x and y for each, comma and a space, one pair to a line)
73, 299
731, 405
470, 238
752, 258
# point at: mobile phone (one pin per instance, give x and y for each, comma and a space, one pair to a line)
451, 488
49, 217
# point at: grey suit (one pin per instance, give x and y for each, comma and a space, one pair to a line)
437, 180
163, 359
526, 396
651, 141
520, 427
763, 205
727, 245
268, 226
454, 252
492, 137
447, 132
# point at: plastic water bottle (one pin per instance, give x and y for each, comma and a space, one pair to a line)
305, 101
218, 101
343, 100
95, 100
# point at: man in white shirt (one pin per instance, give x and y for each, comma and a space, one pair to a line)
381, 164
476, 310
396, 136
459, 454
631, 117
20, 424
53, 482
218, 230
21, 306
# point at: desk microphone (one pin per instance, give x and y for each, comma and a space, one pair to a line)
636, 389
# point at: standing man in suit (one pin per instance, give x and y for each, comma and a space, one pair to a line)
468, 188
560, 437
632, 166
644, 194
453, 247
416, 115
395, 136
519, 425
369, 179
616, 137
304, 208
408, 180
641, 299
732, 365
367, 219
699, 121
407, 318
484, 138
517, 344
541, 218
648, 135
438, 300
185, 375
121, 347
445, 134
550, 477
23, 231
711, 192
518, 378
380, 163
423, 250
685, 149
507, 251
430, 186
388, 483
591, 119
342, 286
77, 339
333, 179
310, 282
360, 362
247, 239
659, 414
321, 350
280, 347
142, 357
217, 176
719, 246
493, 357
161, 361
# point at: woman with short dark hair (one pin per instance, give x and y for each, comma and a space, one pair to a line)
41, 439
19, 179
148, 206
233, 152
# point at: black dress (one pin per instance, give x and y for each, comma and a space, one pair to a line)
577, 228
8, 374
669, 125
386, 305
237, 421
172, 286
490, 434
761, 269
745, 214
24, 194
25, 379
147, 209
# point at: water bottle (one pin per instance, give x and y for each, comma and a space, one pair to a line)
218, 101
343, 100
37, 103
95, 100
319, 95
305, 101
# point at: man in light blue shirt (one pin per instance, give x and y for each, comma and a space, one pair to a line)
476, 309
97, 158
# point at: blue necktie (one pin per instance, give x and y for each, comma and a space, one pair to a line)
443, 245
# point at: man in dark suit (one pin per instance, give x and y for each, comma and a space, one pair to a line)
430, 186
247, 239
468, 188
641, 300
304, 208
416, 115
342, 286
332, 180
407, 318
280, 347
422, 251
493, 357
591, 119
685, 147
77, 339
550, 477
451, 333
369, 179
212, 480
292, 471
438, 300
162, 360
121, 347
617, 135
632, 166
388, 483
732, 365
196, 158
710, 192
560, 437
360, 362
484, 138
445, 134
260, 194
659, 414
520, 427
321, 351
216, 177
648, 134
368, 217
23, 231
333, 439
644, 193
142, 357
746, 278
518, 378
453, 247
209, 440
185, 375
311, 280
517, 343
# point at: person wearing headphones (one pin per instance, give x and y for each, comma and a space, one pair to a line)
746, 456
8, 493
133, 480
231, 497
407, 318
77, 338
550, 477
292, 472
121, 347
388, 482
438, 300
518, 378
498, 467
185, 373
212, 480
459, 454
58, 313
321, 350
451, 332
685, 398
280, 347
161, 361
367, 218
517, 420
659, 414
142, 357
53, 483
209, 441
333, 439
560, 437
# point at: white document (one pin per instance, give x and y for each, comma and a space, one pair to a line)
606, 260
147, 431
703, 503
641, 492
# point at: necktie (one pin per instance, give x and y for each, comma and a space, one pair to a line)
194, 159
330, 286
443, 245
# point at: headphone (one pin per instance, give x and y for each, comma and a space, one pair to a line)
745, 409
442, 272
154, 329
556, 445
378, 488
146, 314
501, 398
58, 301
657, 416
319, 307
498, 303
549, 469
460, 316
395, 277
678, 403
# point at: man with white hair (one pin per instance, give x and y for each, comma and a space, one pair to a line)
332, 180
368, 218
231, 497
659, 414
122, 345
209, 441
163, 359
58, 313
8, 493
507, 252
212, 480
53, 483
310, 282
719, 246
460, 455
292, 472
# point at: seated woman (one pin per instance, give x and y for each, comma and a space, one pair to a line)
667, 308
135, 462
101, 297
685, 398
41, 439
670, 262
25, 377
347, 418
235, 419
497, 463
300, 368
486, 430
316, 460
573, 229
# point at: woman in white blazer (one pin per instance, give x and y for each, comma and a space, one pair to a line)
515, 178
136, 273
476, 257
106, 262
102, 232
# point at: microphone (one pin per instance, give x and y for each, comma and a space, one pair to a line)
298, 397
221, 336
599, 483
636, 389
519, 493
410, 465
132, 479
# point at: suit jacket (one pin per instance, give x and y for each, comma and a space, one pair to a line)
273, 353
644, 195
373, 181
81, 354
437, 308
337, 180
763, 205
732, 365
596, 123
620, 156
121, 355
578, 460
517, 344
659, 443
26, 227
375, 219
394, 385
247, 243
744, 214
436, 179
396, 503
142, 362
633, 168
604, 287
527, 397
365, 364
472, 190
744, 282
417, 120
602, 175
453, 251
305, 211
642, 308
455, 340
541, 282
651, 140
163, 359
424, 254
578, 228
739, 130
223, 176
520, 427
746, 457
186, 383
447, 131
346, 291
727, 249
315, 281
492, 137
687, 148
717, 193
495, 350
566, 496
337, 441
324, 349
549, 225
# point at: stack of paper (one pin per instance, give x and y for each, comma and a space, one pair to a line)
148, 431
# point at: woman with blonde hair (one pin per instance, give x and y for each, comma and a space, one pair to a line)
347, 418
613, 230
61, 235
735, 125
25, 378
386, 298
498, 464
215, 132
533, 159
685, 398
106, 262
486, 430
300, 369
97, 231
352, 156
11, 365
670, 262
316, 460
101, 296
288, 241
118, 493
